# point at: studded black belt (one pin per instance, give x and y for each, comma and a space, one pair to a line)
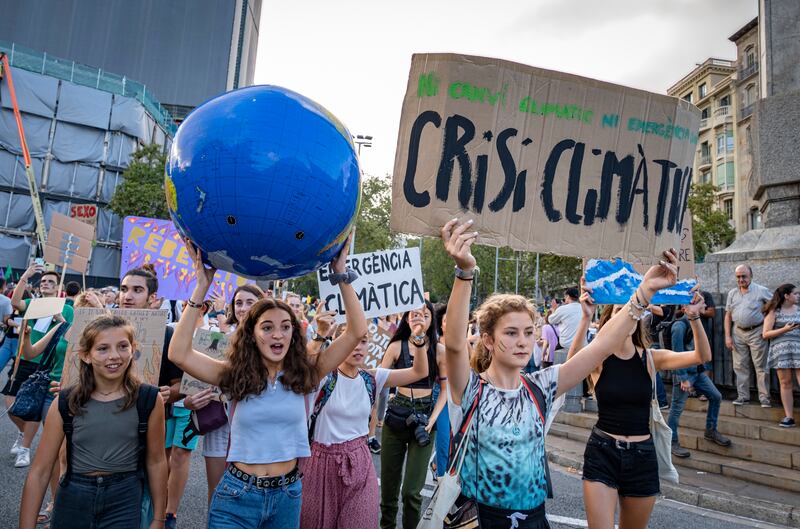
265, 482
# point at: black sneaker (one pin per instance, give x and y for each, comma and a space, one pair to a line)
171, 521
679, 451
715, 437
374, 445
787, 422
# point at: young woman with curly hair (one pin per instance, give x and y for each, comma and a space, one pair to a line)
504, 470
269, 376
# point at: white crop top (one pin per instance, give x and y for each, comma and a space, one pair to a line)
346, 414
270, 427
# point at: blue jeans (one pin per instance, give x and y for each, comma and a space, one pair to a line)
8, 351
442, 437
240, 505
99, 502
703, 386
48, 400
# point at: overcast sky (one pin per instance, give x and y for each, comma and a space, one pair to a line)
353, 56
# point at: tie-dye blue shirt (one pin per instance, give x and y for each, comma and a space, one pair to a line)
510, 436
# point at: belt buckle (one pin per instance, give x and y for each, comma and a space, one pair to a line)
620, 446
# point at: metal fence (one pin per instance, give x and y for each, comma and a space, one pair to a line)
42, 63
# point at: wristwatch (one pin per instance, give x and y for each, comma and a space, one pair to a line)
465, 275
419, 341
319, 338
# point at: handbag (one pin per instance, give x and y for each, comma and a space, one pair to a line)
210, 417
442, 511
30, 397
661, 432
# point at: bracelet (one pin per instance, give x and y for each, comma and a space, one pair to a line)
694, 319
419, 341
635, 311
646, 301
319, 338
194, 304
347, 277
465, 275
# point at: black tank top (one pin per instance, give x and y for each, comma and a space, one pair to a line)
624, 392
404, 360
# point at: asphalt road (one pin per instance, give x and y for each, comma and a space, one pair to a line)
566, 511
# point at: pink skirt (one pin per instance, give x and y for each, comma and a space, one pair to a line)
340, 487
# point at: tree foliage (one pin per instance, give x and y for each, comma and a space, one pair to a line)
710, 226
142, 190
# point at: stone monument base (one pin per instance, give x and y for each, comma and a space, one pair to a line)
772, 253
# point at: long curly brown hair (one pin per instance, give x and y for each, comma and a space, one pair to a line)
488, 314
82, 391
640, 337
247, 374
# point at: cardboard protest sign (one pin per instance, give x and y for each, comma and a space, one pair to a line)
685, 252
69, 243
615, 282
86, 213
150, 330
379, 336
157, 241
389, 282
542, 160
44, 307
210, 343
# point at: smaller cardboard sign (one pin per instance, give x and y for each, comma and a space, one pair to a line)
210, 343
44, 307
615, 281
150, 327
86, 213
69, 243
389, 282
378, 335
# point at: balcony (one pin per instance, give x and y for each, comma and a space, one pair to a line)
722, 115
704, 162
746, 112
747, 71
722, 111
703, 123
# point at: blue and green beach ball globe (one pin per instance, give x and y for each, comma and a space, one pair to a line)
264, 181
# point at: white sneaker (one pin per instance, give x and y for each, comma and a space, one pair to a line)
23, 458
17, 445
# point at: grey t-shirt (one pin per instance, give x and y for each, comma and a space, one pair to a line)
5, 309
746, 308
105, 439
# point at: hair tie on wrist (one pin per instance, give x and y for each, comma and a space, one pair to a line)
194, 304
347, 277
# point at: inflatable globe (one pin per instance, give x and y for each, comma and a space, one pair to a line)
264, 181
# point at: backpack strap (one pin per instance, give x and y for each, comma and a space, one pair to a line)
145, 401
371, 384
66, 419
456, 440
540, 402
325, 392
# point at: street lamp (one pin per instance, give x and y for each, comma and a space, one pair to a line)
360, 140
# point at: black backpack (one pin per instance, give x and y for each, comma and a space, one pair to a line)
665, 333
145, 401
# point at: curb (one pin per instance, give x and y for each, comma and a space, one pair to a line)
764, 511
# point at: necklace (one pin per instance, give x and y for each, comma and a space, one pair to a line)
107, 394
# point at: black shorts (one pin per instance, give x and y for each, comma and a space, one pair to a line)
25, 370
631, 468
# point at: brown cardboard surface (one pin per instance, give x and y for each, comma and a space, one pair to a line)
85, 213
535, 156
44, 307
149, 326
209, 343
76, 262
80, 246
70, 225
378, 336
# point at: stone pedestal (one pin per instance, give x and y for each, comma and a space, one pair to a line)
573, 397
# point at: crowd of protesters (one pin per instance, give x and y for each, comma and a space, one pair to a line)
299, 410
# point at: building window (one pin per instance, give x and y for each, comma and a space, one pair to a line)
705, 113
727, 206
720, 144
705, 150
750, 95
750, 55
725, 176
703, 89
705, 177
725, 101
755, 219
687, 97
729, 136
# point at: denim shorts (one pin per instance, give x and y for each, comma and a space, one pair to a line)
103, 502
237, 504
631, 468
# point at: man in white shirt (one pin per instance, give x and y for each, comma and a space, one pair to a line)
567, 317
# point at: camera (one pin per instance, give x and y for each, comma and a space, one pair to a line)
417, 422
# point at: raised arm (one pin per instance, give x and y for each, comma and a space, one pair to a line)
200, 366
666, 359
29, 350
16, 297
587, 311
441, 400
342, 346
613, 334
457, 242
419, 369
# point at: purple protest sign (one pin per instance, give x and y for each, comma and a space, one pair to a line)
157, 242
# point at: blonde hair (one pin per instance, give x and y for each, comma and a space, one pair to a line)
487, 315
